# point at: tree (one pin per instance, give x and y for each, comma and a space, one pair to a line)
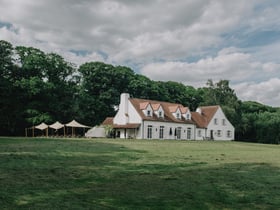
9, 103
100, 89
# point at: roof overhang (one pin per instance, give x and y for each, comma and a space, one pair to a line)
127, 126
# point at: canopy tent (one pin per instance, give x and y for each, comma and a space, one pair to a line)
75, 124
42, 126
57, 125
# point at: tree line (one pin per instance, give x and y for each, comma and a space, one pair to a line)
40, 87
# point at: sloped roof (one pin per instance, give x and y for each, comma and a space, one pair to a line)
42, 126
143, 105
75, 124
108, 121
56, 125
207, 113
155, 106
184, 110
167, 107
173, 108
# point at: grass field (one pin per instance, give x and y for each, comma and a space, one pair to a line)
137, 174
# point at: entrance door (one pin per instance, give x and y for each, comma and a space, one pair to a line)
211, 135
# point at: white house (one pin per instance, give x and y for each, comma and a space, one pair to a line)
149, 119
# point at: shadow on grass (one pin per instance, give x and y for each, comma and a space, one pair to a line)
63, 175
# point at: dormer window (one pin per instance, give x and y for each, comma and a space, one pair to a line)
178, 116
149, 113
160, 114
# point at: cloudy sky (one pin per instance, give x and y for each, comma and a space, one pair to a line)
187, 41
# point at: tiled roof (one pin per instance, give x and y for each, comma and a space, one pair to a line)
184, 110
167, 107
155, 106
143, 105
207, 112
108, 121
173, 108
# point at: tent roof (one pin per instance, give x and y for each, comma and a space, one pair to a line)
75, 124
56, 125
42, 126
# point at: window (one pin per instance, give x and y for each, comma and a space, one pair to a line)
219, 133
224, 121
160, 114
199, 133
189, 133
178, 132
228, 134
216, 121
149, 113
178, 116
149, 132
161, 131
188, 116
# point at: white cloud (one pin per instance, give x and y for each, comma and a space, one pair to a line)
266, 92
234, 66
159, 36
125, 30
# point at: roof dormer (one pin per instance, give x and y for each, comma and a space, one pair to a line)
176, 112
158, 110
146, 109
185, 113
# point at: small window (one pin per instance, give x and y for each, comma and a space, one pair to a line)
228, 134
148, 113
178, 116
219, 133
224, 121
160, 114
216, 121
188, 116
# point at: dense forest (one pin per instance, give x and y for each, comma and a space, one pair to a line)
40, 87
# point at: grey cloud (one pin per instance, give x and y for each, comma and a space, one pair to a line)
140, 32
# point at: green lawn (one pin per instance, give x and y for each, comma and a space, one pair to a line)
137, 174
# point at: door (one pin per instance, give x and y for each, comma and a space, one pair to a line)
211, 135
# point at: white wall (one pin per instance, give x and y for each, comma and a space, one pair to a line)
126, 113
202, 132
219, 126
166, 134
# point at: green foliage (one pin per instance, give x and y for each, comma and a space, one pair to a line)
37, 86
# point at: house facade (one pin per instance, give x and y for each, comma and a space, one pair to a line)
149, 119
